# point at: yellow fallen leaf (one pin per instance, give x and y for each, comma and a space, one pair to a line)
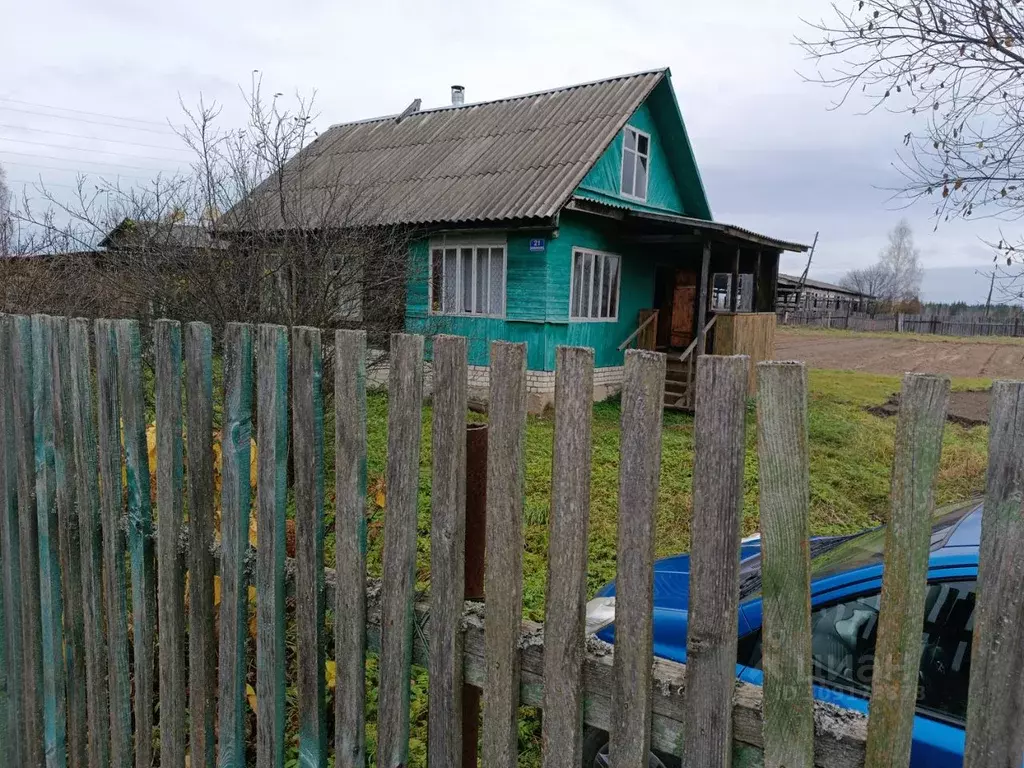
216, 590
250, 694
332, 674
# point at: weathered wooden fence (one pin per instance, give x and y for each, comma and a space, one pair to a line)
103, 664
941, 325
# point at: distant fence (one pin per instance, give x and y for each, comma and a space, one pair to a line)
943, 325
88, 641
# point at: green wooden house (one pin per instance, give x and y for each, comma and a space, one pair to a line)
570, 216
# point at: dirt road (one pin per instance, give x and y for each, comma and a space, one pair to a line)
973, 358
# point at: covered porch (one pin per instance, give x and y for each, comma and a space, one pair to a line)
714, 291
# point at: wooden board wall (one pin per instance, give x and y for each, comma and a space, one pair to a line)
746, 333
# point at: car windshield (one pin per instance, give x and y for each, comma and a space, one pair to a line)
834, 554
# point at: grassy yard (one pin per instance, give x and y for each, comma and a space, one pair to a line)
851, 454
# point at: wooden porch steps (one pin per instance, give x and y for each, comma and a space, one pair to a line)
678, 389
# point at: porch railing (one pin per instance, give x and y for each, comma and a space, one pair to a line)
682, 369
645, 334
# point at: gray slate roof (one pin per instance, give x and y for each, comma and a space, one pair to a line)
515, 158
791, 281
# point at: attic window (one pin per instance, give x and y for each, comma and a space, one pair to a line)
636, 158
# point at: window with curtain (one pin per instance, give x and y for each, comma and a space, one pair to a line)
636, 157
468, 280
595, 286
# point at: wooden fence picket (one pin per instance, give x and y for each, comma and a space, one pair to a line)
643, 395
719, 433
995, 730
10, 553
565, 606
894, 685
308, 459
140, 533
405, 421
447, 549
170, 560
65, 473
784, 467
503, 576
50, 597
32, 632
272, 496
83, 412
202, 645
350, 548
235, 501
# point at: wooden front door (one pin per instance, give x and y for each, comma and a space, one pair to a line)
684, 302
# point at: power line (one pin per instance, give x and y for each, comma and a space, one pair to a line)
82, 111
88, 162
91, 122
116, 174
89, 149
93, 138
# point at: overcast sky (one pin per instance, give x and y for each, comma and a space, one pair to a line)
772, 155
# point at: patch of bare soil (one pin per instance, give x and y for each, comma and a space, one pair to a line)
970, 357
967, 408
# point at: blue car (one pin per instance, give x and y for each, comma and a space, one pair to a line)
846, 582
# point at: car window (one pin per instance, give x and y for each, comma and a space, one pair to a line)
843, 638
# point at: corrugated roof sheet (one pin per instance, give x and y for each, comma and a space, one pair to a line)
516, 158
793, 281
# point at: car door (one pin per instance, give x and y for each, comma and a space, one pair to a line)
843, 634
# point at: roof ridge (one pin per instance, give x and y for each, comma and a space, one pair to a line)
544, 92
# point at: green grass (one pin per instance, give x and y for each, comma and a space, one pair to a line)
851, 456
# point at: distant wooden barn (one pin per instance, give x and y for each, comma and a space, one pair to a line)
811, 296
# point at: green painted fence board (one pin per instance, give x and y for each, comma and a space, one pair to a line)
50, 598
308, 457
114, 546
350, 548
32, 633
10, 571
66, 471
83, 410
140, 532
202, 645
272, 495
170, 560
236, 496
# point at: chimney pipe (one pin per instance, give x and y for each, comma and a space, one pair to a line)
458, 95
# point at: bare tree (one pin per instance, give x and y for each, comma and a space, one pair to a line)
956, 69
895, 279
870, 281
901, 259
255, 231
6, 224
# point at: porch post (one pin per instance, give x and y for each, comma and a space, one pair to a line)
735, 282
702, 296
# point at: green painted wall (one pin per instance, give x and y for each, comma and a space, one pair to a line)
674, 183
603, 182
537, 297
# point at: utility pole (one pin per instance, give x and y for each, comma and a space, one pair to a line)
803, 277
988, 301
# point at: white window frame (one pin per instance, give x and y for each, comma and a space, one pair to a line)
458, 244
636, 156
572, 286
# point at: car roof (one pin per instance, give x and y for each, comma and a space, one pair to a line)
956, 529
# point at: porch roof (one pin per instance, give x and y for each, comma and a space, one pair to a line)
670, 227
